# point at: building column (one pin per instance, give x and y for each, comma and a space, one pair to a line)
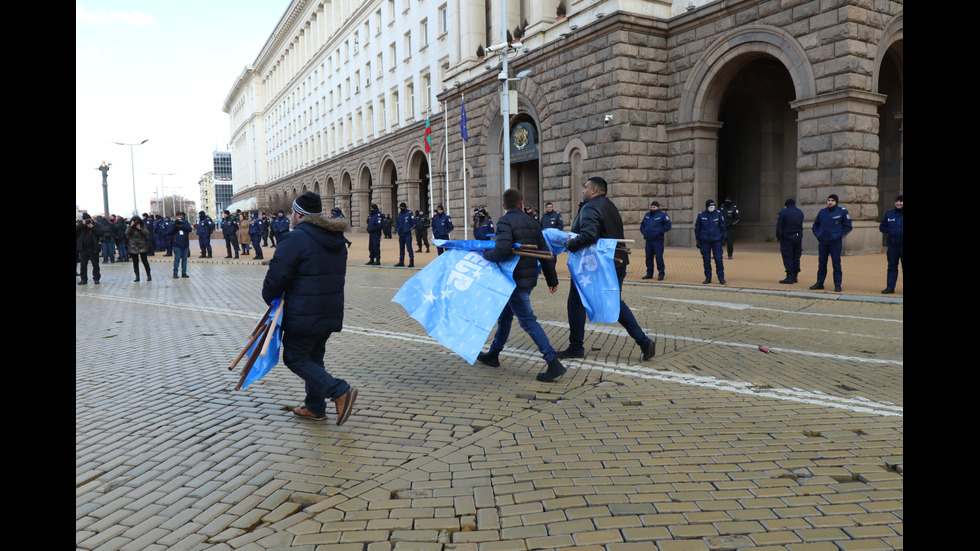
838, 153
693, 164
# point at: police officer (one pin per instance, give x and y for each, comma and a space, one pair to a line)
709, 229
229, 230
789, 233
374, 227
442, 224
484, 225
653, 227
404, 226
832, 224
205, 227
280, 226
551, 218
891, 225
255, 234
266, 224
422, 224
730, 211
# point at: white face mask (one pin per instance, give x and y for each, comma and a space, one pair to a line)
711, 208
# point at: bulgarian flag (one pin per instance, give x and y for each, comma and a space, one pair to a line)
428, 132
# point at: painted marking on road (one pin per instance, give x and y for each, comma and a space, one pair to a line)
858, 405
740, 306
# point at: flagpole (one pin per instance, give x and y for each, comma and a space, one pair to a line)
428, 159
445, 120
466, 209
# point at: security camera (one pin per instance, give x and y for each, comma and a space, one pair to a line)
607, 119
496, 47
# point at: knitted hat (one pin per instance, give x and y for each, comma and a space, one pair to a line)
655, 204
308, 203
790, 202
708, 203
834, 197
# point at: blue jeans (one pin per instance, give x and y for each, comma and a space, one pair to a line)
108, 251
303, 355
519, 305
577, 317
121, 247
180, 259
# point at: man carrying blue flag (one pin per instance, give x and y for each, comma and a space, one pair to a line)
599, 218
516, 227
309, 271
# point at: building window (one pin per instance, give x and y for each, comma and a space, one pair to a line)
408, 45
424, 33
410, 93
443, 19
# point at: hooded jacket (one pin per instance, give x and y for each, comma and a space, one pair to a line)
138, 237
309, 268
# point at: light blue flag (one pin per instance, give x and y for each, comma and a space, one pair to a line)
593, 271
458, 297
265, 364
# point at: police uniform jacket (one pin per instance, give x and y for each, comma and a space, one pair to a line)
832, 224
205, 226
516, 227
552, 220
891, 225
406, 222
374, 221
229, 226
655, 225
788, 222
709, 226
442, 224
280, 224
309, 268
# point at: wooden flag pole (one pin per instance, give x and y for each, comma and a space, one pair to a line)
272, 326
253, 336
252, 359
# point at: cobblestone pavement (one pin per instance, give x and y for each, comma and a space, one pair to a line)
711, 445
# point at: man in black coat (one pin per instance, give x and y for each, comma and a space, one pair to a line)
308, 271
88, 249
516, 227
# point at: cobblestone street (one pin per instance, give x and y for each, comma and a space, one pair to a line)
711, 445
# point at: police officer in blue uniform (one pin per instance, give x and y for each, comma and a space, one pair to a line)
709, 230
832, 224
551, 218
255, 234
789, 234
280, 226
374, 227
891, 225
229, 230
653, 227
205, 227
442, 224
404, 226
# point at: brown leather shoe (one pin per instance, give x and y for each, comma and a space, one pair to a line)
345, 405
301, 411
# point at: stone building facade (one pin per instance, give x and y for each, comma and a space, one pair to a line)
759, 100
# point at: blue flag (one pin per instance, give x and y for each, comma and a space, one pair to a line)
462, 124
458, 297
593, 272
265, 364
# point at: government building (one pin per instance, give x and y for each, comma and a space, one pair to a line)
677, 101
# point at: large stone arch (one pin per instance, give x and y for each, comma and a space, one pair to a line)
888, 79
493, 121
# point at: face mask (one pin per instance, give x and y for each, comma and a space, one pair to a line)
711, 208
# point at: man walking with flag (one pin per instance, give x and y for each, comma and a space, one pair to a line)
512, 228
309, 271
599, 218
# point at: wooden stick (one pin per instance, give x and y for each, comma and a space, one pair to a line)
251, 360
272, 326
265, 316
539, 256
251, 339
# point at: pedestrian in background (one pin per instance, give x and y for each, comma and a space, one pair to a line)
205, 227
255, 234
280, 226
442, 225
119, 234
422, 224
107, 242
891, 226
265, 229
789, 234
386, 226
244, 238
653, 227
138, 244
730, 211
374, 229
832, 224
308, 272
180, 232
709, 230
229, 230
88, 248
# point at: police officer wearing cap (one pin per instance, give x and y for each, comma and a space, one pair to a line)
832, 224
789, 233
653, 227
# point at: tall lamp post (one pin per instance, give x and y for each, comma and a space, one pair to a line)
162, 189
135, 209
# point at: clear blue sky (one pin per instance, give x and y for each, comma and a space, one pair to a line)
157, 71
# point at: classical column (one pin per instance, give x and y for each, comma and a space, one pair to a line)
693, 163
360, 208
838, 153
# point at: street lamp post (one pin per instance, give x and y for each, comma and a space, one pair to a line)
135, 209
163, 189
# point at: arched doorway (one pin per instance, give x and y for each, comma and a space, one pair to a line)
524, 153
425, 187
757, 146
890, 137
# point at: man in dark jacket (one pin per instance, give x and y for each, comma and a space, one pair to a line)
88, 248
892, 226
280, 227
422, 224
180, 232
551, 218
598, 218
442, 225
653, 227
709, 230
374, 227
229, 230
308, 271
119, 232
730, 211
255, 234
403, 227
205, 227
516, 227
789, 233
832, 224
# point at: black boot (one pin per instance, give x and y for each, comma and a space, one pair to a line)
489, 358
553, 373
411, 263
789, 278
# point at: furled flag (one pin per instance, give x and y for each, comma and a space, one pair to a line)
462, 124
428, 132
458, 297
265, 364
593, 272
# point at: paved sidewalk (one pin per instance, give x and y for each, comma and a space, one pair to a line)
754, 267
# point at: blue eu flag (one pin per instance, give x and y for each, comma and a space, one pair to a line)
458, 297
265, 364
